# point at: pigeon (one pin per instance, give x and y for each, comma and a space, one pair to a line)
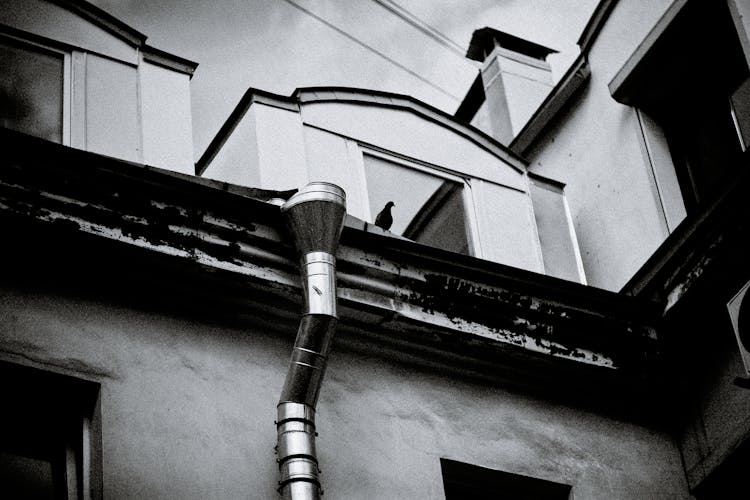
384, 219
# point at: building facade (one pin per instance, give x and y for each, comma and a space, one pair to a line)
556, 311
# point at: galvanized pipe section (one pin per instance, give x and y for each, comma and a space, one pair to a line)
315, 216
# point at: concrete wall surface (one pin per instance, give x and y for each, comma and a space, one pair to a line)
187, 411
596, 149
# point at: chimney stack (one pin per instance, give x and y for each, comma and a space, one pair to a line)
514, 79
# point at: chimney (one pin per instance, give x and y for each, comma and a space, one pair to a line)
514, 79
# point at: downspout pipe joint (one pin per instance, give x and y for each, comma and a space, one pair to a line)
315, 218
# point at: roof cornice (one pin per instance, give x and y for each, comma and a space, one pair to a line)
396, 292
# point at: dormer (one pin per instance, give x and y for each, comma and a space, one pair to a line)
453, 186
73, 74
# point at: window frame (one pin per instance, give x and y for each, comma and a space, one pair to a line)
656, 132
34, 45
467, 194
559, 188
79, 443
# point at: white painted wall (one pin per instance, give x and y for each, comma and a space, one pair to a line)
237, 161
281, 147
507, 230
514, 87
597, 152
112, 126
524, 97
167, 120
495, 106
526, 82
338, 160
266, 149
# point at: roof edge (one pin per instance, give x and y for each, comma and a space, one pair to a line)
168, 60
595, 23
446, 300
225, 131
304, 95
104, 20
390, 99
130, 35
484, 36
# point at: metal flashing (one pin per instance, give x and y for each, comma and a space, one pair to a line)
167, 60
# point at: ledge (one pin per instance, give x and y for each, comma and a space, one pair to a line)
406, 298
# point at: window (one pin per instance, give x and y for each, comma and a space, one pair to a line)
469, 482
429, 207
31, 89
688, 75
556, 234
46, 449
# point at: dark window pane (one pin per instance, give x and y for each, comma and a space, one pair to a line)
428, 208
694, 104
463, 481
31, 90
26, 478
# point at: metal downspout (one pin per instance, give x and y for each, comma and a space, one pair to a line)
315, 217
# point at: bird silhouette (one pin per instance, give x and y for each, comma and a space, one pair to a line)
384, 219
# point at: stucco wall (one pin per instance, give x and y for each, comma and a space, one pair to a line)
596, 149
188, 406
